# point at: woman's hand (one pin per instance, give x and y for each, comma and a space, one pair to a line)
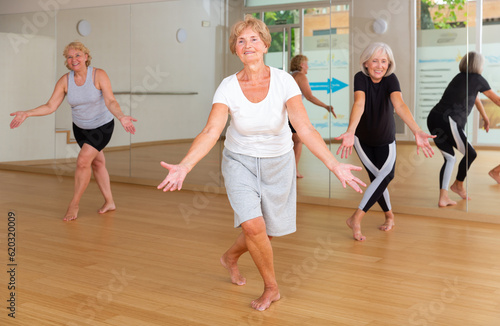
19, 118
486, 124
423, 143
347, 144
175, 177
329, 108
343, 173
127, 123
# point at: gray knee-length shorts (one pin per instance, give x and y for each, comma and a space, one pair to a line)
262, 187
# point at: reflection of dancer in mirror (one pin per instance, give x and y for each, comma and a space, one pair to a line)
258, 161
372, 130
448, 118
299, 68
93, 106
495, 173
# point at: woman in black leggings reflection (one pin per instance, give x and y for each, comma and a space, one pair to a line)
448, 118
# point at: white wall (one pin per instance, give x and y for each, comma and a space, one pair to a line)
109, 45
25, 86
25, 6
165, 65
27, 80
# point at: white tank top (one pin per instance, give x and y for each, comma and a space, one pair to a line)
87, 103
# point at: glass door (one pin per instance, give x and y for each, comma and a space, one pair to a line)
325, 43
284, 26
278, 53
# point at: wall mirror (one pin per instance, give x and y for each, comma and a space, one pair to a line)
168, 85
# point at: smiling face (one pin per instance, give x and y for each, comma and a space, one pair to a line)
76, 59
377, 65
250, 47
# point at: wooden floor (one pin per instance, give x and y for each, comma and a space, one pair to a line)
155, 261
415, 188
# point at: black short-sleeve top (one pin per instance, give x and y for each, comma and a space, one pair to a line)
377, 126
456, 102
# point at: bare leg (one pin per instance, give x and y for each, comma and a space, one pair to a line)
259, 246
458, 187
354, 222
297, 149
230, 259
82, 178
495, 173
389, 221
102, 179
444, 200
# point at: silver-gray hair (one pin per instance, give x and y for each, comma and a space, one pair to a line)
373, 49
472, 63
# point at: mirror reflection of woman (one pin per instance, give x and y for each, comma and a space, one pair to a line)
258, 162
495, 173
299, 67
448, 118
93, 106
372, 131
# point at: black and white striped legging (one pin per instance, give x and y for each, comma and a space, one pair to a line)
380, 163
449, 136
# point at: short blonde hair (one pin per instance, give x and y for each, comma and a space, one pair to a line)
79, 47
373, 49
295, 63
256, 25
472, 63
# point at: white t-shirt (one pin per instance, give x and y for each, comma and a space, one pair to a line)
258, 129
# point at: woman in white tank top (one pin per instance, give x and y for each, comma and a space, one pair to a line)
93, 107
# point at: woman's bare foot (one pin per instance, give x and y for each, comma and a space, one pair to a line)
233, 270
106, 208
299, 176
389, 222
269, 296
443, 202
460, 190
495, 176
356, 229
71, 213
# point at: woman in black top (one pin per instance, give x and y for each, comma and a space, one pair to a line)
448, 119
372, 130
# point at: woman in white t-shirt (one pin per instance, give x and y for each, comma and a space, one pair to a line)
258, 161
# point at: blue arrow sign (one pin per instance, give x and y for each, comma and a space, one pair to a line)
332, 85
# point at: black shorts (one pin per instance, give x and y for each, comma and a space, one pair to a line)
291, 127
97, 138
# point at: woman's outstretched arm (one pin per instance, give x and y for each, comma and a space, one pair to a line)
45, 109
